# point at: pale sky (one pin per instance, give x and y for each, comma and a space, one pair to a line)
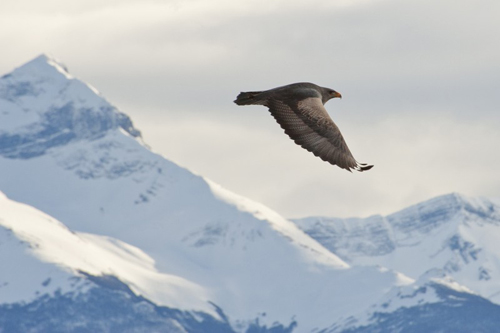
420, 81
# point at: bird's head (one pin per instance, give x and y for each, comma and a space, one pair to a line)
334, 94
329, 94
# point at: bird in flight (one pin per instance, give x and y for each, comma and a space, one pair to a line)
299, 109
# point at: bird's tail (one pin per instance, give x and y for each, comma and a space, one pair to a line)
248, 98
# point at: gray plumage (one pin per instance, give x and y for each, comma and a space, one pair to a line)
299, 109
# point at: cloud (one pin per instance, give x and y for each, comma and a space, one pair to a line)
419, 80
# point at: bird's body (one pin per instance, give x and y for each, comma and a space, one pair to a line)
299, 109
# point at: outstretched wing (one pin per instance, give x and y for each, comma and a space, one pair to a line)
308, 124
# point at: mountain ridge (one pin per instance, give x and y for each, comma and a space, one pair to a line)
435, 291
112, 185
173, 247
452, 232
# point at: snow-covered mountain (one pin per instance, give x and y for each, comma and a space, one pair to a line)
48, 271
453, 233
125, 229
57, 280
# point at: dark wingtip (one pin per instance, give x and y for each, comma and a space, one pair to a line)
366, 167
363, 167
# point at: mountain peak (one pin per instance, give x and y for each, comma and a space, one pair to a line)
42, 66
430, 214
43, 106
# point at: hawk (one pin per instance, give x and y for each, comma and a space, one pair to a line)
299, 109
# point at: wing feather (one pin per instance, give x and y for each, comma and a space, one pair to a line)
308, 124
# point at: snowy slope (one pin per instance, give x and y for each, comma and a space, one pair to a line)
50, 274
39, 255
453, 233
434, 303
78, 159
184, 241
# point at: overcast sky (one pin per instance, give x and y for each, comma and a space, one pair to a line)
420, 81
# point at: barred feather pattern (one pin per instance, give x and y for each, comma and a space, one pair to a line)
299, 109
308, 124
